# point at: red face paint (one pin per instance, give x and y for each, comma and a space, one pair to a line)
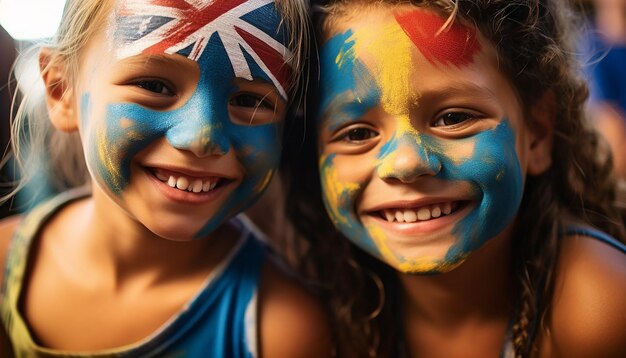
194, 18
456, 44
274, 60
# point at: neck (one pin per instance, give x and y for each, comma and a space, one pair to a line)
481, 289
122, 250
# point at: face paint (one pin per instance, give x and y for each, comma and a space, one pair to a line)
454, 45
378, 63
185, 27
228, 40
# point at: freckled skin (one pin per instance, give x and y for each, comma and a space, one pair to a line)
410, 157
113, 137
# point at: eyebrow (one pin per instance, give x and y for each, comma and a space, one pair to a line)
142, 60
345, 103
460, 88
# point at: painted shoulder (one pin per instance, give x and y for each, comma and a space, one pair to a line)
292, 321
588, 312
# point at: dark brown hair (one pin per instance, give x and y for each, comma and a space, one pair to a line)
534, 40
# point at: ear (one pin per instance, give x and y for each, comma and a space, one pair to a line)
543, 114
59, 93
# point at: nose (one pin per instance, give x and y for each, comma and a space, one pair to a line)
201, 138
408, 159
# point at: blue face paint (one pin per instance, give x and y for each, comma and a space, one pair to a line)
345, 81
492, 170
202, 124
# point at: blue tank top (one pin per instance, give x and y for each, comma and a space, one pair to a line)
220, 321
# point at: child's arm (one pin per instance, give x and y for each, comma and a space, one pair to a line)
589, 306
292, 322
7, 228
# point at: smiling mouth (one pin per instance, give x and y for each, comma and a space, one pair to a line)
421, 213
188, 183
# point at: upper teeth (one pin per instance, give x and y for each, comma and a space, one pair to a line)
421, 214
183, 183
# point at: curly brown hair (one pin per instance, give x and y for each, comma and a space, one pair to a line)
535, 43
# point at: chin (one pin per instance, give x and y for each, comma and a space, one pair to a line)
176, 232
425, 265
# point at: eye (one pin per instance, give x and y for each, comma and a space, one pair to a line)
454, 118
250, 101
155, 86
355, 135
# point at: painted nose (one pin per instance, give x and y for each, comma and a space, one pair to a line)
201, 137
409, 160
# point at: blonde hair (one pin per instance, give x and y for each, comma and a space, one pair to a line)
32, 136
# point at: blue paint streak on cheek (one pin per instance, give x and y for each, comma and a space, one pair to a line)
258, 151
344, 77
111, 142
342, 210
129, 128
495, 171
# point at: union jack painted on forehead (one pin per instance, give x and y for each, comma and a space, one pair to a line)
186, 26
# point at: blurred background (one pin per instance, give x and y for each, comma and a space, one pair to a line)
601, 49
23, 23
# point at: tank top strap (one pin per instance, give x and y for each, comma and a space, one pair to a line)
596, 234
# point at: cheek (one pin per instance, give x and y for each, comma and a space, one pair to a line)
113, 135
355, 168
495, 173
258, 151
339, 193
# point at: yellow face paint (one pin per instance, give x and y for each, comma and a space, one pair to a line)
376, 77
392, 68
336, 190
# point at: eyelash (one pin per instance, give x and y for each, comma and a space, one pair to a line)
356, 130
254, 101
149, 84
440, 121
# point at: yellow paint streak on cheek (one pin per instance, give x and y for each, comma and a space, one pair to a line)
108, 153
334, 191
388, 52
380, 239
265, 182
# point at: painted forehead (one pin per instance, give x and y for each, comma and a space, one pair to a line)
440, 41
350, 76
249, 32
453, 44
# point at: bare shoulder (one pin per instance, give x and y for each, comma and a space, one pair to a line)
588, 311
293, 323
